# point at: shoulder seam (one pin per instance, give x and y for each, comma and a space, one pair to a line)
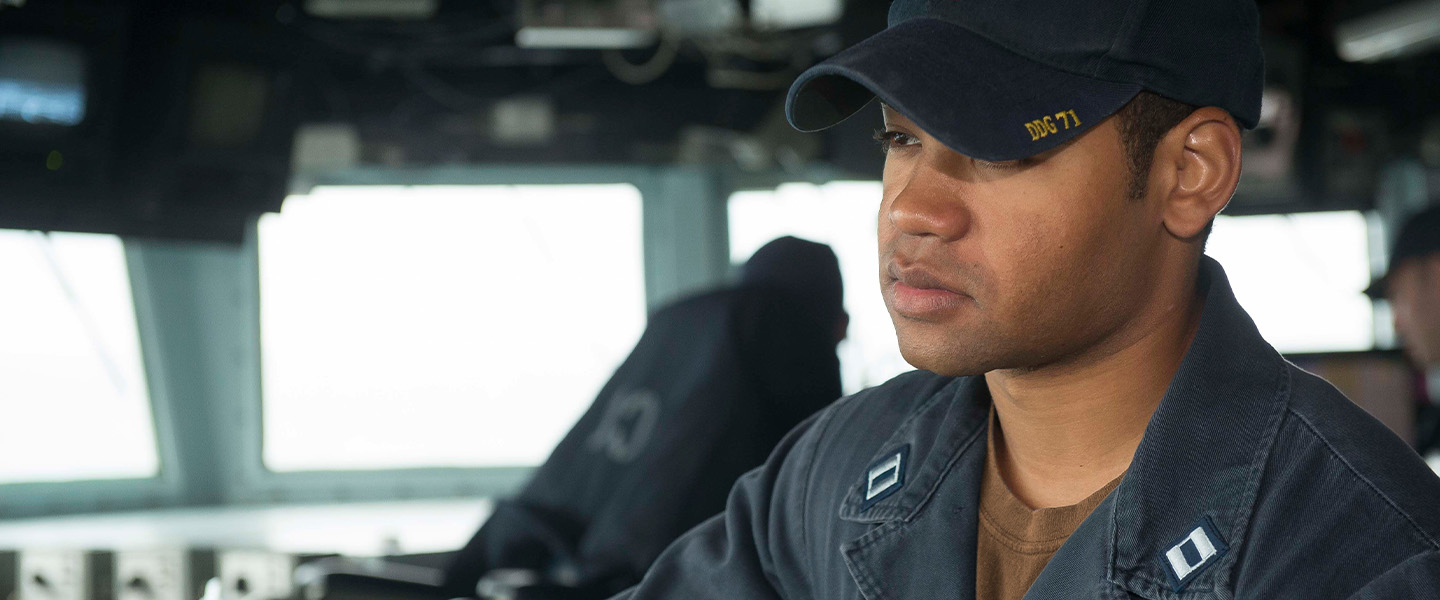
1358, 475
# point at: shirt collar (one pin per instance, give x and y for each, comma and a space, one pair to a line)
945, 426
1204, 449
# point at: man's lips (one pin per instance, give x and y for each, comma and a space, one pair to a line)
918, 278
918, 292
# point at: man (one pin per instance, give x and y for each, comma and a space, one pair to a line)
1052, 171
1412, 285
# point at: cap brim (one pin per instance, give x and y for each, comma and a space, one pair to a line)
970, 93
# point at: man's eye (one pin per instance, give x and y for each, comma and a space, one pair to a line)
1003, 165
892, 139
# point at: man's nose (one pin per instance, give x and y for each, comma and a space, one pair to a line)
926, 203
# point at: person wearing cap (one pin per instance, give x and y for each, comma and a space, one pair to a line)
808, 273
1412, 285
1095, 415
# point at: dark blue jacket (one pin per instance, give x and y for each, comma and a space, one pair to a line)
1254, 480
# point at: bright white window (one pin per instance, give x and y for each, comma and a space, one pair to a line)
1301, 276
842, 214
794, 14
74, 402
442, 326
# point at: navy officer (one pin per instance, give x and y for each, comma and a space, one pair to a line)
1095, 415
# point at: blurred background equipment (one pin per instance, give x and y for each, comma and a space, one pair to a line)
163, 574
159, 573
65, 575
169, 125
184, 123
1392, 32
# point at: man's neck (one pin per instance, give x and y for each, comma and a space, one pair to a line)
1067, 430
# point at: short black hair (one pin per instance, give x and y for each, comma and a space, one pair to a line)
1143, 122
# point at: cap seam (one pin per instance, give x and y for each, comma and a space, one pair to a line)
1126, 26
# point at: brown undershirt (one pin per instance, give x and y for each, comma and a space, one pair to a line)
1014, 542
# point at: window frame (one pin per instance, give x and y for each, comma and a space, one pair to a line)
198, 318
21, 499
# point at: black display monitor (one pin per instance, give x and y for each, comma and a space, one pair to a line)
59, 83
42, 82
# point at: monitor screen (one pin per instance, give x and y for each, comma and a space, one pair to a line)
42, 82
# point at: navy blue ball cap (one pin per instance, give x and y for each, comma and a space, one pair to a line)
993, 105
1002, 80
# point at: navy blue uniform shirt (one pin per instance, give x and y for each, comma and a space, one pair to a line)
1254, 480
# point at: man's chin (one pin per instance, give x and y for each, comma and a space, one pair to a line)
948, 362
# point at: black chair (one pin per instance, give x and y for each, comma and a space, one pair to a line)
714, 383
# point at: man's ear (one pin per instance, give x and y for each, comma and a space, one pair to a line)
1203, 154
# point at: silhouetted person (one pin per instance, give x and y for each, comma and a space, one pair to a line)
1412, 285
712, 385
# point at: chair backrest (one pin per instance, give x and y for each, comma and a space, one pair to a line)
715, 381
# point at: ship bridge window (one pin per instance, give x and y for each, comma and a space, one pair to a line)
1301, 277
73, 387
442, 326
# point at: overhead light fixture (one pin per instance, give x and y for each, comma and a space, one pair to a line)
372, 9
584, 37
597, 24
1391, 33
774, 15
